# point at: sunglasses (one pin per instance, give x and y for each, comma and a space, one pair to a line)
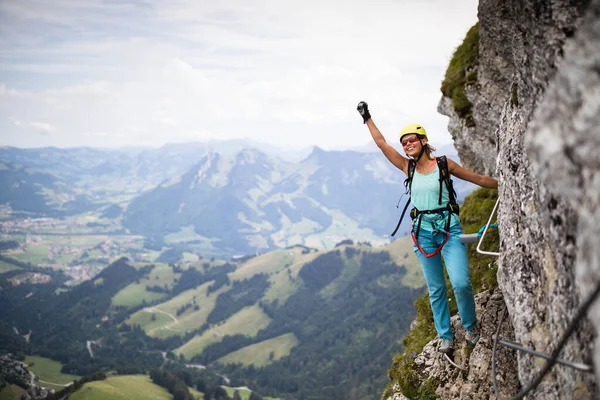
409, 140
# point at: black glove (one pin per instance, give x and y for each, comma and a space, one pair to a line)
363, 109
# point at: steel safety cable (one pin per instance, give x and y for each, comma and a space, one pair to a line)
553, 358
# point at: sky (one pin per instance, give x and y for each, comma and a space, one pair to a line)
111, 73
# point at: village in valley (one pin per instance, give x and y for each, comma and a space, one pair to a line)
80, 246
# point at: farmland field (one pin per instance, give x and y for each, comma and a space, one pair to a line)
48, 371
164, 325
162, 275
267, 263
259, 354
5, 267
13, 392
401, 251
128, 387
246, 322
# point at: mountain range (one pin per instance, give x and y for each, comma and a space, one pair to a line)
236, 200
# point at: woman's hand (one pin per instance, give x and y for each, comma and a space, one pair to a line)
389, 151
363, 110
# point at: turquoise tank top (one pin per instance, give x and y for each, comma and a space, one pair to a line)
425, 193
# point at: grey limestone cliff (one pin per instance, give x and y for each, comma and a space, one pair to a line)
536, 113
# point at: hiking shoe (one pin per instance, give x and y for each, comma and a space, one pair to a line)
446, 346
472, 337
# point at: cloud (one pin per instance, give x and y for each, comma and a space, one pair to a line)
40, 127
43, 127
156, 70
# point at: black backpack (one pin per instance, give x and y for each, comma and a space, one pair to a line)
444, 176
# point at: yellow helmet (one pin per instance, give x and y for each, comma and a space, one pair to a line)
413, 128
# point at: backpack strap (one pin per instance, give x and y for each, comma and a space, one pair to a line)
442, 163
412, 165
401, 217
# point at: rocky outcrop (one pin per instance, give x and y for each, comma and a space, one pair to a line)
470, 377
538, 91
13, 371
563, 142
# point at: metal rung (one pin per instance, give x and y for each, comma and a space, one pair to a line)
489, 253
579, 366
469, 238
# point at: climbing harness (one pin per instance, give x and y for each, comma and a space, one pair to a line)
417, 215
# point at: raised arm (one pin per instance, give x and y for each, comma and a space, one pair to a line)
389, 151
465, 174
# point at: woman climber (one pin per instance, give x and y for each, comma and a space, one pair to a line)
436, 227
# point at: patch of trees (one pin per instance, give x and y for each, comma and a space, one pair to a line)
219, 282
322, 270
191, 278
242, 294
113, 211
174, 385
216, 393
171, 255
350, 252
64, 393
344, 242
158, 289
8, 244
177, 382
184, 308
227, 345
12, 343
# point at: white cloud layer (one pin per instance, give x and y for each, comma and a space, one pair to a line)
142, 72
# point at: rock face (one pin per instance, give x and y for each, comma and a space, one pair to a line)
470, 377
536, 107
565, 133
474, 381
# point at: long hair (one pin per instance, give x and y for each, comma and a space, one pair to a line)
428, 148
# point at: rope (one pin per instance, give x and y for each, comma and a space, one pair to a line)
452, 362
550, 363
480, 232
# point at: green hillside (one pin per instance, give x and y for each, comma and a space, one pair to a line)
262, 353
11, 392
259, 321
129, 387
246, 322
161, 276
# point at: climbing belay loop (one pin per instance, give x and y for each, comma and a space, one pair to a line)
417, 215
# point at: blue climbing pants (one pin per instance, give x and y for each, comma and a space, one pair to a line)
457, 265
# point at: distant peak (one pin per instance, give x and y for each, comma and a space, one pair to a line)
317, 153
249, 155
